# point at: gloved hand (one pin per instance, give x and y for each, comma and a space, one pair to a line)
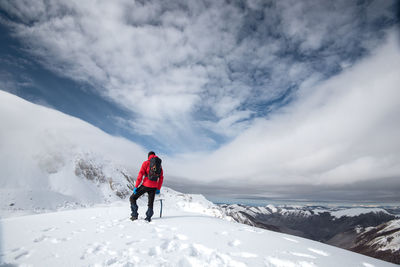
157, 191
134, 190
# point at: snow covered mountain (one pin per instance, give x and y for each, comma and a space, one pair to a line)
70, 181
382, 242
371, 231
46, 154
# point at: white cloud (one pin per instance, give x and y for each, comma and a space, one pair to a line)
171, 63
339, 131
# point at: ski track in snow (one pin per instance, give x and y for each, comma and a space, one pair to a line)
106, 237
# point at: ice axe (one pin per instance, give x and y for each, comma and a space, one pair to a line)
160, 206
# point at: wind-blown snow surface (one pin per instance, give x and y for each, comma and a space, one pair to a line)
188, 234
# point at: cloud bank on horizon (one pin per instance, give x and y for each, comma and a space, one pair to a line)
280, 92
340, 131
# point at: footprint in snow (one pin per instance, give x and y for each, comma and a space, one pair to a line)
319, 252
40, 239
75, 232
171, 245
131, 242
49, 229
234, 243
95, 248
22, 254
154, 251
111, 261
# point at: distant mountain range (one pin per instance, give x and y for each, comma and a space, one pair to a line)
370, 231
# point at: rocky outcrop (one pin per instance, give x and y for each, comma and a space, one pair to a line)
382, 242
94, 172
372, 232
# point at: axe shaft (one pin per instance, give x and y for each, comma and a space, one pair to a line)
160, 208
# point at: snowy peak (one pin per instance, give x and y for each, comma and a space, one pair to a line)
382, 241
352, 212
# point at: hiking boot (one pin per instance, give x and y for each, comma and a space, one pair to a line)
134, 218
149, 214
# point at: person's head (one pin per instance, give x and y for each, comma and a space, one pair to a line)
150, 153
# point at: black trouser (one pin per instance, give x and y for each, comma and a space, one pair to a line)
140, 191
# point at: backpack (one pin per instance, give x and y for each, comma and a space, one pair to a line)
155, 169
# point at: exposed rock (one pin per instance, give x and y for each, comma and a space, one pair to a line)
91, 171
381, 242
369, 231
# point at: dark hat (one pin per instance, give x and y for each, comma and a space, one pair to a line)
150, 153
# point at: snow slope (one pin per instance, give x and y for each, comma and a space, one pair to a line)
46, 154
104, 236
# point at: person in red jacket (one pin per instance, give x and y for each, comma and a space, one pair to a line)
148, 186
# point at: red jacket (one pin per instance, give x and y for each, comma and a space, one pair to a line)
144, 171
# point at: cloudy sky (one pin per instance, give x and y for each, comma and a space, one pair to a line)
261, 98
